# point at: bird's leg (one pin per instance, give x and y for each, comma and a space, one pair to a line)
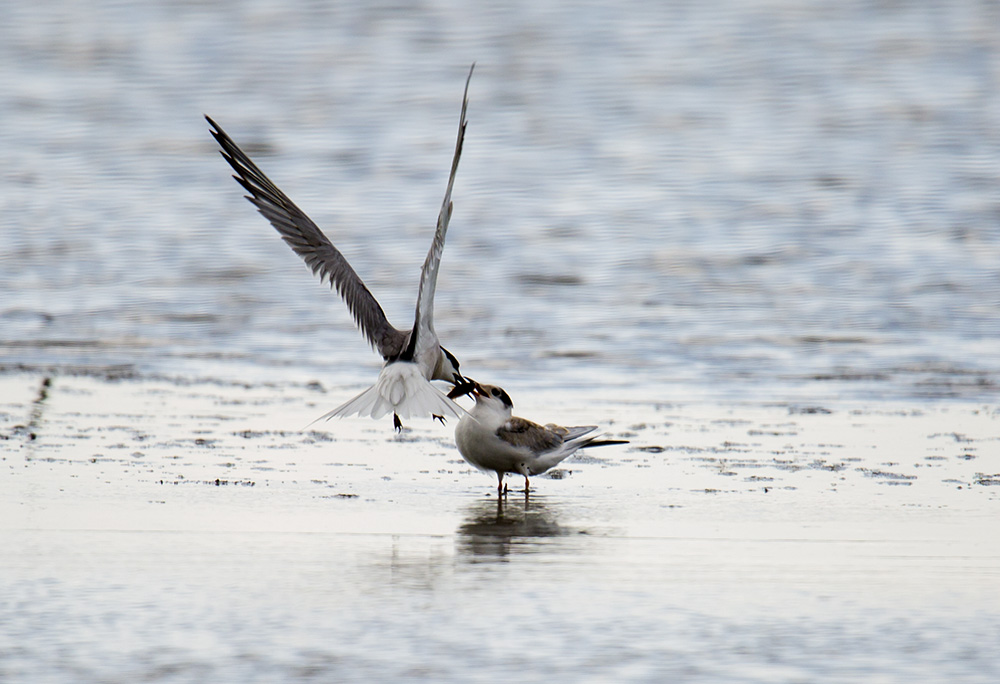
437, 417
397, 423
501, 490
526, 485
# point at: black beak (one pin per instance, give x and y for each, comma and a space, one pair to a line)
463, 387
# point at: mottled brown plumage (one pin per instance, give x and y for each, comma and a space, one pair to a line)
490, 438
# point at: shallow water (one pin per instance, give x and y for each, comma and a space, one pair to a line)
178, 531
738, 201
758, 240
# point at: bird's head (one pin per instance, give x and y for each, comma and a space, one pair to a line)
492, 395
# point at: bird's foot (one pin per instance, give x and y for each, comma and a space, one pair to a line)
397, 423
437, 417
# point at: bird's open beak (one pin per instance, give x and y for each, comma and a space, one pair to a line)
466, 386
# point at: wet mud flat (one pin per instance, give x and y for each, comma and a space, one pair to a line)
190, 530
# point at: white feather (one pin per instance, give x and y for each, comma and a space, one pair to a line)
402, 389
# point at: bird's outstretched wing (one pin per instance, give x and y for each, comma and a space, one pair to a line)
423, 323
309, 242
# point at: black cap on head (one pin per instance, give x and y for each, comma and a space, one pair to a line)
500, 394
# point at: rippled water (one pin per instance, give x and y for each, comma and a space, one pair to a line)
730, 201
747, 202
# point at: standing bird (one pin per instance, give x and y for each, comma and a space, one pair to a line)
490, 438
412, 357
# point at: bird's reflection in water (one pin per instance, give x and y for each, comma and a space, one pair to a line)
497, 527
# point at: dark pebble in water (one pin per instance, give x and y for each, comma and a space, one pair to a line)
793, 410
545, 279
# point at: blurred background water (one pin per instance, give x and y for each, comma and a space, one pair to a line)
729, 200
758, 200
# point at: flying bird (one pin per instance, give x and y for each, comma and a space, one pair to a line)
412, 357
489, 437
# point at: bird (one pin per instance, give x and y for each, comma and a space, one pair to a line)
489, 437
412, 358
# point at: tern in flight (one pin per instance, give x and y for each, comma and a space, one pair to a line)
489, 437
412, 357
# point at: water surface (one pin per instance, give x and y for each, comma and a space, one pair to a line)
798, 201
759, 240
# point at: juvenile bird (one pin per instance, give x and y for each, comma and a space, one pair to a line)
489, 437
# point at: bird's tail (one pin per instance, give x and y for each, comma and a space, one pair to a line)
580, 437
603, 442
401, 389
576, 438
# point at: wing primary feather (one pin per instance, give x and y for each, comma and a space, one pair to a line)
308, 241
423, 323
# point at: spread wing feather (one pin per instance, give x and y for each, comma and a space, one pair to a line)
309, 242
423, 324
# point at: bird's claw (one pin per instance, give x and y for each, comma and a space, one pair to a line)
397, 423
437, 417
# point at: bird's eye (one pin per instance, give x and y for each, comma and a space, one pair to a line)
495, 392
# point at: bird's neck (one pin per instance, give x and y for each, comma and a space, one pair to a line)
486, 413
